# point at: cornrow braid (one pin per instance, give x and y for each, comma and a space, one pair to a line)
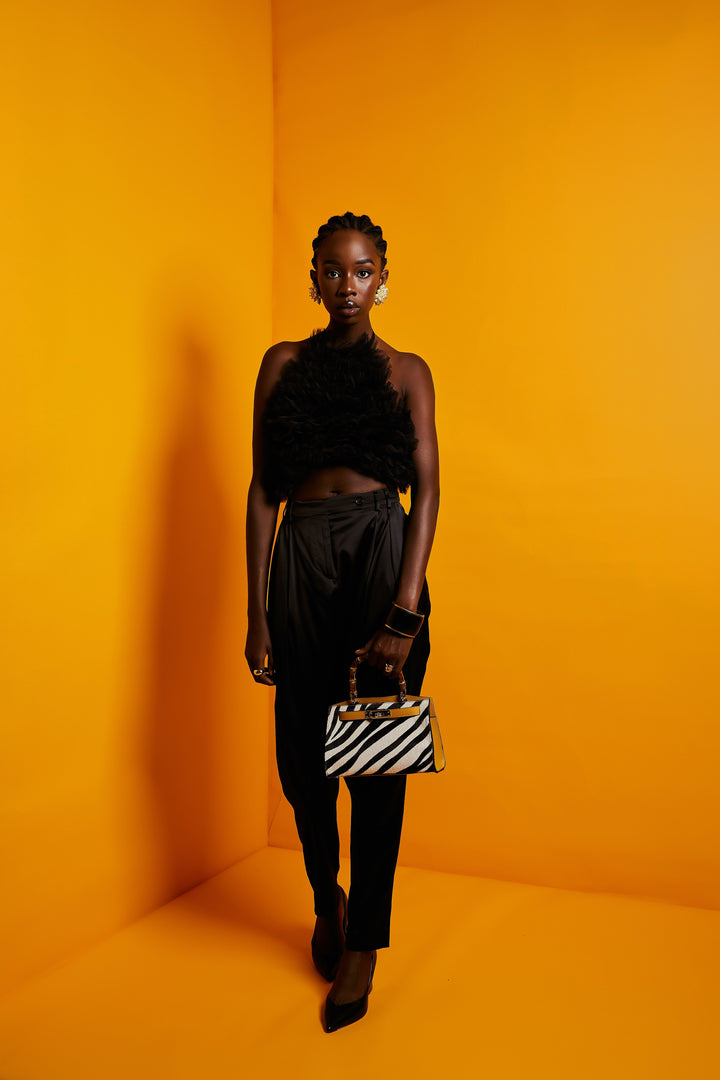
361, 223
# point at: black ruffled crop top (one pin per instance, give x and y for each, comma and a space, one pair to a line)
335, 405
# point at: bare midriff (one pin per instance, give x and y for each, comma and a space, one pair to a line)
325, 483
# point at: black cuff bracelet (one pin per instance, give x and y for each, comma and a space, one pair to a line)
404, 622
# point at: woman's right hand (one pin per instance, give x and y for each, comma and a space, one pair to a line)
258, 647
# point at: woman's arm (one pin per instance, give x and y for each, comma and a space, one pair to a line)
260, 524
384, 647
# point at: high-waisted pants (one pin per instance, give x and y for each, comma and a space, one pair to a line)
334, 574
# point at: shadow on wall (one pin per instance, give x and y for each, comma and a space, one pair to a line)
188, 585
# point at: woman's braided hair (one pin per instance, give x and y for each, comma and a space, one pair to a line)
361, 224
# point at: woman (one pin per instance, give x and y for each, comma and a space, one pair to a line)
342, 421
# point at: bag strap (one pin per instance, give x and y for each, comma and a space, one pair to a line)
402, 686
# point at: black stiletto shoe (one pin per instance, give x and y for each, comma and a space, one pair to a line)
339, 1016
327, 963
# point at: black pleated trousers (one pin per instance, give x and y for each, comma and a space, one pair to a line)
334, 574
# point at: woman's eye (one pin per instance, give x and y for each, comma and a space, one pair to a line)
363, 273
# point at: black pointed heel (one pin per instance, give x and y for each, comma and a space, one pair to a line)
339, 1016
327, 963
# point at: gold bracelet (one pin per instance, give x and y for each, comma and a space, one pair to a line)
398, 632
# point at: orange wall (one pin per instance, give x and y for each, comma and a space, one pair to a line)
547, 176
136, 193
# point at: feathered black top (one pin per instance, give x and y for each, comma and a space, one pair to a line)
335, 405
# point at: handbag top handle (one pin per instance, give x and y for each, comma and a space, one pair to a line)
402, 686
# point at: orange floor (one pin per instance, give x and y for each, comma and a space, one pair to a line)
484, 978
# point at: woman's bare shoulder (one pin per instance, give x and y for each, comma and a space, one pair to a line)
274, 360
408, 368
282, 351
271, 368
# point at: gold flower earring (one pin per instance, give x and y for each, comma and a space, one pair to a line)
381, 294
315, 293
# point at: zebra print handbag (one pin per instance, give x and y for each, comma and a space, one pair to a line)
380, 737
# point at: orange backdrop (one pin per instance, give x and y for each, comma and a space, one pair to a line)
136, 194
547, 177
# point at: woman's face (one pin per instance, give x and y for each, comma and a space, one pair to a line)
348, 274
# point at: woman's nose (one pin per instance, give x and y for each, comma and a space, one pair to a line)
346, 286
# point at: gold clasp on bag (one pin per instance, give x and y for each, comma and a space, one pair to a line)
403, 713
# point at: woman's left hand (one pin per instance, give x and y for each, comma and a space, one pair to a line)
387, 652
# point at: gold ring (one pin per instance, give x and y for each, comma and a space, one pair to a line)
258, 671
388, 667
